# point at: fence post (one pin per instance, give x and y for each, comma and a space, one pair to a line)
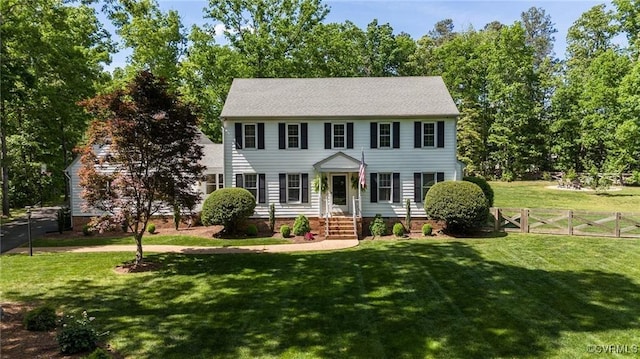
496, 215
524, 220
570, 222
618, 217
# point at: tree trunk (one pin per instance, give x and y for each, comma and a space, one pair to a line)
139, 258
5, 162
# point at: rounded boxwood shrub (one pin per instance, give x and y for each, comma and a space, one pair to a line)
398, 230
285, 230
228, 207
378, 227
427, 230
301, 226
461, 204
252, 230
484, 186
151, 228
41, 319
86, 230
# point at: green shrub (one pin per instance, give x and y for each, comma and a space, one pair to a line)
41, 319
461, 204
427, 230
77, 335
228, 207
86, 230
285, 230
151, 228
407, 217
99, 353
484, 186
378, 227
252, 230
272, 217
301, 226
398, 230
634, 180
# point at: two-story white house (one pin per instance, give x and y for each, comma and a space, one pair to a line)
281, 134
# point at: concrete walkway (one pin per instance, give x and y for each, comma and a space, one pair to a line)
326, 245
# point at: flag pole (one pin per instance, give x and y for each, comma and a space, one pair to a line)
360, 186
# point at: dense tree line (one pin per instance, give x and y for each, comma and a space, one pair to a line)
523, 110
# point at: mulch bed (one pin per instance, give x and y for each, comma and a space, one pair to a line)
16, 342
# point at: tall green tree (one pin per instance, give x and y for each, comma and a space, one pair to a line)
52, 56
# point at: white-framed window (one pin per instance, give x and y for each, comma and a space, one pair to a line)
384, 187
429, 134
428, 180
214, 182
251, 183
384, 135
293, 135
294, 192
339, 135
250, 135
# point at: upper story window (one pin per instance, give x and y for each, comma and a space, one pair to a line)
339, 135
385, 135
250, 135
428, 134
214, 182
293, 136
384, 132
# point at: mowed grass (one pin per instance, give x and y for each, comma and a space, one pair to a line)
535, 194
524, 296
176, 240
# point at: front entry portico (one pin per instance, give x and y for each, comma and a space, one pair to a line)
338, 170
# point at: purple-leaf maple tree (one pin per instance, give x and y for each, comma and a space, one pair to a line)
141, 155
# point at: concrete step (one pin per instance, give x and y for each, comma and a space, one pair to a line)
340, 236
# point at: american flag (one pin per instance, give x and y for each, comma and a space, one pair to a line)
362, 177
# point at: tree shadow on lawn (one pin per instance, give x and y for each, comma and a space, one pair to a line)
401, 300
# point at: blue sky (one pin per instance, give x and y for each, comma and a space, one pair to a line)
416, 17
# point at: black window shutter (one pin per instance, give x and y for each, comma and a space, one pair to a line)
349, 134
396, 135
238, 136
417, 134
283, 188
305, 188
239, 183
327, 136
374, 187
261, 136
396, 187
374, 135
440, 177
281, 136
417, 187
262, 190
304, 138
440, 134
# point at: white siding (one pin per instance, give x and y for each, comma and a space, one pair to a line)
406, 160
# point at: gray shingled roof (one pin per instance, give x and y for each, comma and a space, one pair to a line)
339, 97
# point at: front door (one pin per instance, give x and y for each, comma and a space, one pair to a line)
339, 194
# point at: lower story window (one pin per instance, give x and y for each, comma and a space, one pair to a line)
423, 183
251, 184
293, 188
214, 182
384, 187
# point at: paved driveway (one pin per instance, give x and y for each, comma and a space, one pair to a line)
14, 234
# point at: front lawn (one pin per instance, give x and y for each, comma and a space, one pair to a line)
176, 240
535, 194
515, 296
